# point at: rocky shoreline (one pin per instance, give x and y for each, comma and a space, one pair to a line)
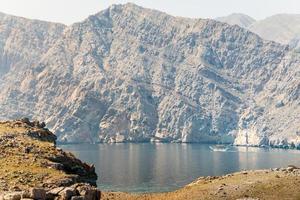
32, 167
271, 184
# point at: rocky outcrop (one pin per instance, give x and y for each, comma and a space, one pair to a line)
129, 74
30, 161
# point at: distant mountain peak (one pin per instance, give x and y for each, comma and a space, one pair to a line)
239, 19
281, 28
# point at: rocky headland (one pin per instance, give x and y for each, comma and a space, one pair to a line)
31, 167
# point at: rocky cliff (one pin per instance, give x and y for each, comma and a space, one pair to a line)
129, 74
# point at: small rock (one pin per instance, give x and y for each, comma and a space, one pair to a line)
290, 169
25, 194
293, 166
13, 196
15, 189
77, 198
68, 193
54, 165
27, 150
37, 193
56, 191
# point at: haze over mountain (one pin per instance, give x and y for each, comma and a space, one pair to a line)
281, 28
239, 19
134, 74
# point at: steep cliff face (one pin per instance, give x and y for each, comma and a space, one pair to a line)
134, 74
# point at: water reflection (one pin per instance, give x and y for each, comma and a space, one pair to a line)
165, 167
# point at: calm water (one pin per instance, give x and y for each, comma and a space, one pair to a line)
166, 167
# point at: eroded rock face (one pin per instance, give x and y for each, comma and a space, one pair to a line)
129, 74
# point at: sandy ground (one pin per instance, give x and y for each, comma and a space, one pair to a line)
270, 184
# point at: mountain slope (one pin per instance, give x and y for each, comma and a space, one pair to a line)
135, 74
23, 41
280, 28
239, 19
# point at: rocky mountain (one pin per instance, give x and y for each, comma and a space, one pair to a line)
130, 74
295, 44
239, 19
280, 28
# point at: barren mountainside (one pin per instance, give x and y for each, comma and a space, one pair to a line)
239, 19
135, 74
281, 28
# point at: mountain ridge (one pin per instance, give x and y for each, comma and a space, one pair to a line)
282, 28
129, 74
240, 19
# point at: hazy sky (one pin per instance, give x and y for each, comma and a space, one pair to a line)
69, 11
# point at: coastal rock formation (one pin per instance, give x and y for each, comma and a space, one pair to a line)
129, 74
31, 166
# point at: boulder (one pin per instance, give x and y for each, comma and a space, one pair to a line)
92, 194
12, 196
37, 193
89, 193
56, 191
26, 121
68, 193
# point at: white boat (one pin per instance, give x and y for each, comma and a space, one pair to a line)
219, 148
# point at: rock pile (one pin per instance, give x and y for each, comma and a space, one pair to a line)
74, 192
